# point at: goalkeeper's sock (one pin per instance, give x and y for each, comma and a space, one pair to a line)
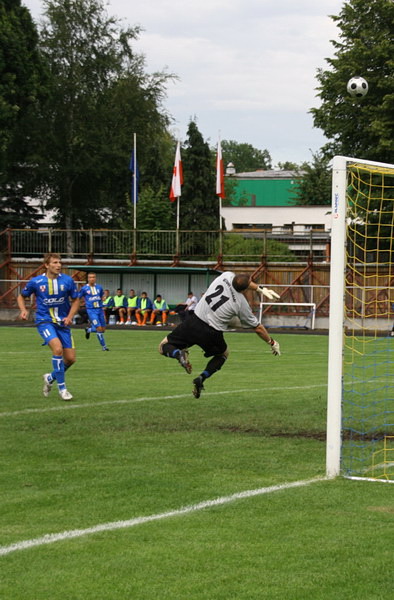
214, 365
58, 371
170, 350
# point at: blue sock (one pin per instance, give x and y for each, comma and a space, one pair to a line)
52, 376
100, 337
205, 374
58, 371
175, 353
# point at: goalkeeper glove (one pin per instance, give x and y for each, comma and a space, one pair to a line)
270, 294
275, 348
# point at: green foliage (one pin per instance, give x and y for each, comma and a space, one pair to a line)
287, 165
360, 127
154, 209
199, 204
15, 212
242, 248
245, 157
230, 190
22, 85
100, 95
370, 197
313, 184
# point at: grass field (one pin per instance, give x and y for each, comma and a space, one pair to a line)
134, 443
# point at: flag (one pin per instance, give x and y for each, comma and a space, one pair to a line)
177, 175
133, 166
219, 173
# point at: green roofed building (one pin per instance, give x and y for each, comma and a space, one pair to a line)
264, 188
267, 200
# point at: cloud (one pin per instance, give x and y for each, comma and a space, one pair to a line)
248, 65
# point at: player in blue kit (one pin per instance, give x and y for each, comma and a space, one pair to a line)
57, 302
93, 293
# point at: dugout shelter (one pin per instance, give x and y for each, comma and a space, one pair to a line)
173, 283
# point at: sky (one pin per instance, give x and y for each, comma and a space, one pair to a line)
246, 68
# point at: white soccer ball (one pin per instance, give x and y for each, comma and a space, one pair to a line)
357, 87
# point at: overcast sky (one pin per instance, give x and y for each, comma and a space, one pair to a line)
246, 68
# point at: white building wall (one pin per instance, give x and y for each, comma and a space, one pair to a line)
278, 216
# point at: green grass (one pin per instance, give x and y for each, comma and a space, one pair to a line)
134, 442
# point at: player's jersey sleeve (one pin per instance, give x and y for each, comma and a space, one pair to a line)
29, 289
247, 318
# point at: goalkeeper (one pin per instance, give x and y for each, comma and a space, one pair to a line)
223, 300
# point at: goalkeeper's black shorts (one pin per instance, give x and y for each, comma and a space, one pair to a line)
194, 332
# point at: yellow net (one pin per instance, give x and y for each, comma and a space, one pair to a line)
368, 369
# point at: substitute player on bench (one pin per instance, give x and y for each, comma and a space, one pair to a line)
54, 314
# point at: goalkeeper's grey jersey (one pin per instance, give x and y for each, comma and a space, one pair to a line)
221, 302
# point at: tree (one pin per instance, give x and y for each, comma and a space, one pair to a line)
313, 183
362, 127
290, 166
245, 157
249, 249
100, 95
199, 208
22, 84
154, 209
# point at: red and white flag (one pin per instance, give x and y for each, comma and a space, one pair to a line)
219, 173
177, 175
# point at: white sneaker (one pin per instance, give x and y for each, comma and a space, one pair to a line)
47, 387
65, 395
392, 334
128, 322
134, 323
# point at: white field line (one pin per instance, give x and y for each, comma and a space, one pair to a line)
51, 538
374, 479
61, 407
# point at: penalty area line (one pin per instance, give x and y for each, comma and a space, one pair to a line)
71, 406
51, 538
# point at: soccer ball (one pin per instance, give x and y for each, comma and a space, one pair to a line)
357, 87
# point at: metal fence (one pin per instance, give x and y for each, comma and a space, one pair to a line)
165, 244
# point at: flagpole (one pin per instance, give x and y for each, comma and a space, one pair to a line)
135, 196
220, 189
177, 226
175, 192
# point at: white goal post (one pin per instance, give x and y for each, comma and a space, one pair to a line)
348, 336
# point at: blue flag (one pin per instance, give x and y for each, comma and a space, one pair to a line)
135, 180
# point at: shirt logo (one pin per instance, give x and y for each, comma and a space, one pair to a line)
54, 300
42, 288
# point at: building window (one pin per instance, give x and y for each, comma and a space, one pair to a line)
243, 226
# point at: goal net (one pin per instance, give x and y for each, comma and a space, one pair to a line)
360, 406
